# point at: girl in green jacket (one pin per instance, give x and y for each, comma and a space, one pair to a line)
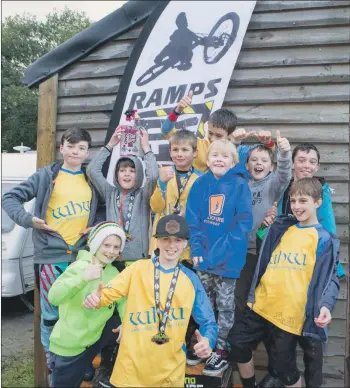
80, 334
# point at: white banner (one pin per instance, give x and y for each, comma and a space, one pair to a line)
193, 46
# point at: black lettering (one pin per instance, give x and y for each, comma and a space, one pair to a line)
156, 98
213, 89
137, 98
197, 88
174, 94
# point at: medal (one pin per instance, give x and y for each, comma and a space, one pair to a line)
161, 338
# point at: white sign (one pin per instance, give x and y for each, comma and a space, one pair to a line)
192, 46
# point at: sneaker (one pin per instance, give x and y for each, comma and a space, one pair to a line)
89, 374
215, 365
101, 378
49, 379
192, 359
270, 382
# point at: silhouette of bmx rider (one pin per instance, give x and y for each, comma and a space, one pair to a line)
181, 45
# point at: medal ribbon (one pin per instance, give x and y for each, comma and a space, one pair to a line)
164, 319
181, 188
126, 223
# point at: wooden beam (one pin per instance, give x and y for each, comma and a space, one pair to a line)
47, 113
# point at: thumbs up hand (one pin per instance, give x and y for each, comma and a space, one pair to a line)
240, 134
92, 271
202, 348
271, 214
264, 137
92, 300
282, 143
118, 330
184, 102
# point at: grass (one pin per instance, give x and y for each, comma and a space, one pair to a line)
18, 371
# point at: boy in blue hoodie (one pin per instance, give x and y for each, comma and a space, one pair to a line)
294, 289
219, 214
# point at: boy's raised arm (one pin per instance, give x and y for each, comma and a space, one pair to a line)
283, 175
152, 171
159, 195
106, 295
68, 284
168, 126
13, 200
94, 169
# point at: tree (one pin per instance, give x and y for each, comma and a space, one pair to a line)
24, 40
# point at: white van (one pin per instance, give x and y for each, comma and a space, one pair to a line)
17, 275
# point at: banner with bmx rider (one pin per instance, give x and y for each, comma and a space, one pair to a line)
185, 45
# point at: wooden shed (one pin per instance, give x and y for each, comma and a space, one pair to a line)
292, 74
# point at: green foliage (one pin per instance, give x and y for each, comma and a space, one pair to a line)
24, 40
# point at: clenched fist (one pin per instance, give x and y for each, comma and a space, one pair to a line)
166, 173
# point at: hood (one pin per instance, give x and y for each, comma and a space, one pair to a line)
321, 180
238, 169
140, 173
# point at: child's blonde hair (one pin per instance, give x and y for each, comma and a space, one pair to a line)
224, 145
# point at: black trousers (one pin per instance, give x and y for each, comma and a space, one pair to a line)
313, 360
243, 285
70, 371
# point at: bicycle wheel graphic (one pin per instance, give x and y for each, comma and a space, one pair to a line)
221, 37
153, 72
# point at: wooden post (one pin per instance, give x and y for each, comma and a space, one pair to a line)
46, 144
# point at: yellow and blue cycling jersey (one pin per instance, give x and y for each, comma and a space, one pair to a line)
141, 362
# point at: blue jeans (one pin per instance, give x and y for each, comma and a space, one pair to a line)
48, 273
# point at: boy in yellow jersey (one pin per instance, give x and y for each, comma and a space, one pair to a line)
175, 182
294, 289
221, 125
162, 294
65, 207
170, 196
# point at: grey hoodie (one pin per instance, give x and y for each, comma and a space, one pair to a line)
267, 191
49, 247
139, 228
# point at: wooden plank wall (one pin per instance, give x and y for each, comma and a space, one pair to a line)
292, 74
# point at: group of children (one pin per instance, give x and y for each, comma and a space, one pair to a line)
218, 257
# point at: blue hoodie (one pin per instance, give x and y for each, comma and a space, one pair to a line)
219, 215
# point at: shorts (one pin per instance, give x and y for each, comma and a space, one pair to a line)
246, 335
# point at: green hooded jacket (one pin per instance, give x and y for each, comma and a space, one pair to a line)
78, 327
